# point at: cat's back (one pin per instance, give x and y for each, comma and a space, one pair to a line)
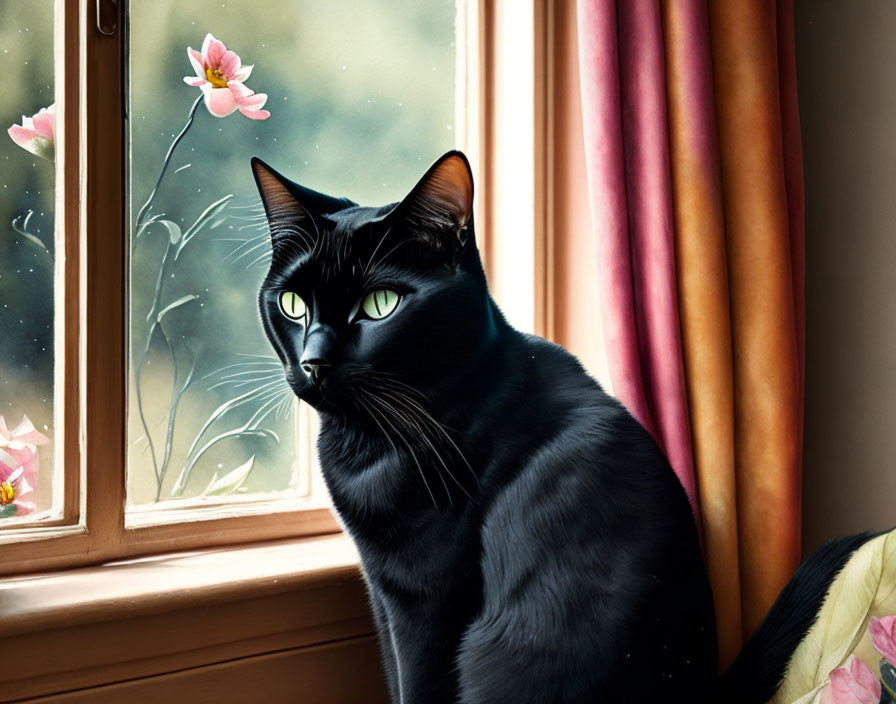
588, 545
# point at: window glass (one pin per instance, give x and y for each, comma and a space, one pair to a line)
350, 98
30, 486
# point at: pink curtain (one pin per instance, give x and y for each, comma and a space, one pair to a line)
693, 155
624, 108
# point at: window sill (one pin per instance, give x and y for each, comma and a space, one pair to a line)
142, 620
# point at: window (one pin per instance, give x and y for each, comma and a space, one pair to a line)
348, 84
30, 485
160, 419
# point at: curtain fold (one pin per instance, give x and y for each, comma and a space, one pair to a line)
702, 269
694, 163
629, 188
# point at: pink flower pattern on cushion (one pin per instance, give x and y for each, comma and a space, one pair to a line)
19, 463
883, 637
37, 133
854, 683
221, 77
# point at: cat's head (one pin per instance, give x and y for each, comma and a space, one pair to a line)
369, 300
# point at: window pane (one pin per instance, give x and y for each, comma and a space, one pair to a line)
360, 100
27, 271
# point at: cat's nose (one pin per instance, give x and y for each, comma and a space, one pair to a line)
317, 357
316, 369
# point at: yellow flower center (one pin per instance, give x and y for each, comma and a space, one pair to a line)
215, 77
7, 493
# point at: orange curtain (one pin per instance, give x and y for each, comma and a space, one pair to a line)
739, 261
693, 155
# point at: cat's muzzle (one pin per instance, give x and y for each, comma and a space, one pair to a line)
316, 369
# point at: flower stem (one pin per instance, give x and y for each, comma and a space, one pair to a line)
139, 226
141, 215
139, 368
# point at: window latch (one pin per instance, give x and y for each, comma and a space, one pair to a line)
107, 16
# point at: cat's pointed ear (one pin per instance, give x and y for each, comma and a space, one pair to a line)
442, 201
292, 210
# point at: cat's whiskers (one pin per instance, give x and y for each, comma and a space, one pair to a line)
259, 243
374, 411
415, 414
383, 258
289, 232
401, 402
262, 257
237, 384
376, 249
416, 399
410, 420
243, 365
271, 400
285, 407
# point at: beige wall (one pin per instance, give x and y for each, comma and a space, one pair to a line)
846, 62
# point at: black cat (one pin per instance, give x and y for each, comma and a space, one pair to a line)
522, 536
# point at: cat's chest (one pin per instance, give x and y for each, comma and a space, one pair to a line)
385, 475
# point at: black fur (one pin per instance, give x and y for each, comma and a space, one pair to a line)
522, 536
759, 668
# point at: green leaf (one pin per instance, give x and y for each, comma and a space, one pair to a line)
230, 482
171, 306
22, 229
8, 511
174, 233
211, 212
243, 432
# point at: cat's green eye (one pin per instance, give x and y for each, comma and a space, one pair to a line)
292, 305
380, 303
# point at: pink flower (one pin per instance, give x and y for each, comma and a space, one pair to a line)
854, 683
221, 76
37, 133
19, 464
883, 636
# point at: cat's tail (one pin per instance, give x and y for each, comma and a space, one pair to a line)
759, 669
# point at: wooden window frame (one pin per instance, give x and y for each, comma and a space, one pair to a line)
93, 372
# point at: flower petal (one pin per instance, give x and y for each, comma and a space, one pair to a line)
246, 96
26, 432
215, 53
31, 467
255, 101
854, 683
196, 61
249, 102
37, 134
239, 90
205, 44
255, 114
23, 508
882, 636
194, 81
45, 124
230, 64
22, 135
219, 101
242, 74
22, 487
